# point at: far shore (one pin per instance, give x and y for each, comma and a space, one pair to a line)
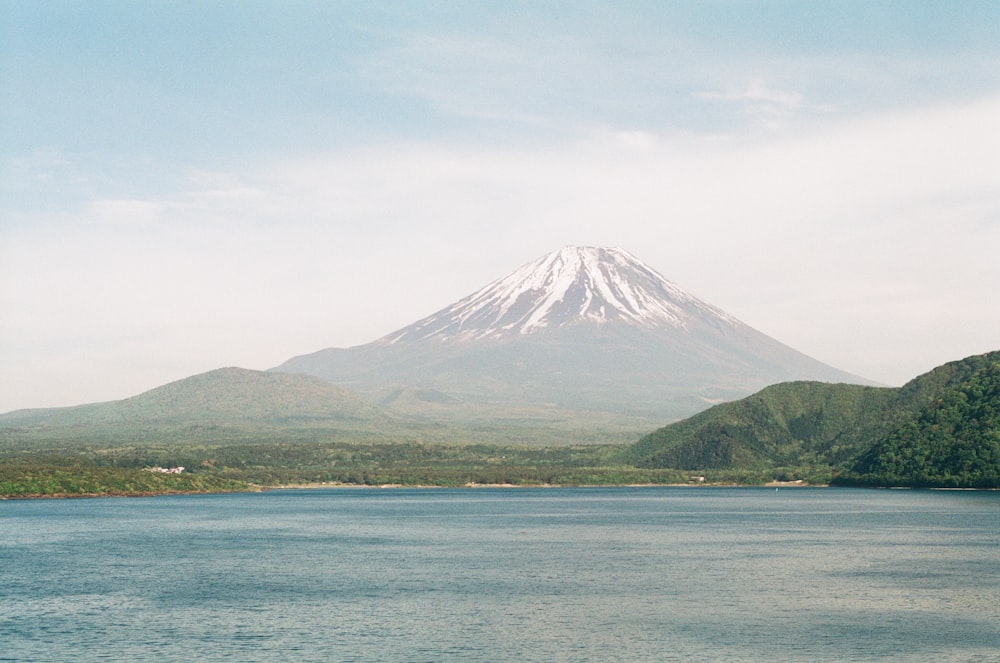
333, 484
314, 486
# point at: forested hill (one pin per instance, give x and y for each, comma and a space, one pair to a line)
954, 441
792, 423
940, 429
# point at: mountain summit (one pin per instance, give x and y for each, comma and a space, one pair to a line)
576, 285
584, 334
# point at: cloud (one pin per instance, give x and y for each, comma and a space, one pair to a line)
757, 92
767, 107
870, 245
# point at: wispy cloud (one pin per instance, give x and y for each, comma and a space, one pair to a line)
766, 106
323, 174
817, 239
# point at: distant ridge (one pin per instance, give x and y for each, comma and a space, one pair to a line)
586, 333
941, 429
585, 344
225, 396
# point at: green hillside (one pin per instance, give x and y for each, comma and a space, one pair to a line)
793, 423
240, 406
225, 395
228, 404
953, 442
939, 429
232, 429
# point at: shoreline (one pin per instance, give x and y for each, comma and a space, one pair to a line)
254, 488
144, 493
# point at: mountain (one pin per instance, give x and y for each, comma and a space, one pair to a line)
584, 334
226, 399
790, 423
940, 429
954, 441
576, 286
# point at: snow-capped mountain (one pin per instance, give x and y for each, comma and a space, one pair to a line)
573, 286
589, 335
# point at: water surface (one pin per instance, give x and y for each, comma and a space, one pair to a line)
638, 574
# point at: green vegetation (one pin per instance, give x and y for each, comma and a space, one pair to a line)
954, 442
235, 467
71, 477
239, 406
89, 470
940, 430
789, 424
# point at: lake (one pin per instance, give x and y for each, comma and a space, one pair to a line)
528, 574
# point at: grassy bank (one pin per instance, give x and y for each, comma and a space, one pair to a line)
82, 471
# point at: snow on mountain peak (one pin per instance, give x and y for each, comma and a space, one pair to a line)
567, 287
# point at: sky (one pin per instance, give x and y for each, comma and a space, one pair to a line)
191, 185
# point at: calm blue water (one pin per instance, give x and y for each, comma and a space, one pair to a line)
636, 574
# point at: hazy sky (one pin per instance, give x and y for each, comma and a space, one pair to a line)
191, 185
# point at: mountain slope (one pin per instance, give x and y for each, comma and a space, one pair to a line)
945, 423
584, 332
571, 287
785, 424
953, 442
224, 395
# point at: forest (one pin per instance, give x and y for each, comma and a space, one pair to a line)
940, 430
